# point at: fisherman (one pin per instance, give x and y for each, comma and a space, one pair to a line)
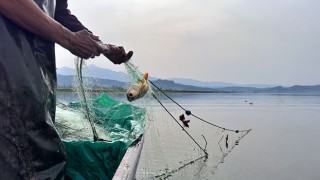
30, 147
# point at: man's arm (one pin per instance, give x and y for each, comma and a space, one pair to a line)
115, 54
28, 15
63, 16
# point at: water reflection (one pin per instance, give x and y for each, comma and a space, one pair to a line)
283, 145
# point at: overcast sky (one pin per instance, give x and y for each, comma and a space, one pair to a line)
237, 41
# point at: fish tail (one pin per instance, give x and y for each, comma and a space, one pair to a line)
145, 76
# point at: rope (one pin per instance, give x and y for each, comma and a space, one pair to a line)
135, 72
180, 124
188, 112
87, 111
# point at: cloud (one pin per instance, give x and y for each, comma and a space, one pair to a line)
240, 41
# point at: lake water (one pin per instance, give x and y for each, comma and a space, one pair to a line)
284, 142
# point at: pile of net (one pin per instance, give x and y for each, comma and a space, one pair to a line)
117, 125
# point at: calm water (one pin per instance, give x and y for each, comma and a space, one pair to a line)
284, 142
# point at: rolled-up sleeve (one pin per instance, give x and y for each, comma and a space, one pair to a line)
64, 17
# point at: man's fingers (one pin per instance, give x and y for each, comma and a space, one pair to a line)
94, 37
128, 56
95, 48
84, 45
99, 48
122, 51
117, 54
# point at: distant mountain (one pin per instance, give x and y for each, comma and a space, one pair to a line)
67, 82
102, 73
293, 89
108, 78
97, 72
237, 89
259, 85
193, 82
171, 85
66, 71
278, 89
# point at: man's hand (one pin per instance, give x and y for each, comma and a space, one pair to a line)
84, 45
116, 54
81, 43
28, 15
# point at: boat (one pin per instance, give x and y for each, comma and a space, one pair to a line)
129, 164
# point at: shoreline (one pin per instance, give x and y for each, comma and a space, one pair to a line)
64, 89
122, 90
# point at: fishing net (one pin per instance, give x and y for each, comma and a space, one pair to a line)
96, 130
170, 148
177, 156
173, 150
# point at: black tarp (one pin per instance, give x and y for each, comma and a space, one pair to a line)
30, 147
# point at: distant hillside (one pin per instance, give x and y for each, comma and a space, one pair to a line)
102, 73
97, 72
67, 82
293, 89
278, 89
66, 71
108, 78
171, 85
237, 89
193, 82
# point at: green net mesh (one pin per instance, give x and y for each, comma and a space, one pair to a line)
117, 124
167, 151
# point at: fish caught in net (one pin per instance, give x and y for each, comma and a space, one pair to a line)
96, 130
177, 150
176, 141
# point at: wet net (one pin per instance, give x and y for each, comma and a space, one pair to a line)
176, 141
96, 129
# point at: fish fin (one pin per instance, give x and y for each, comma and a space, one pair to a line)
145, 76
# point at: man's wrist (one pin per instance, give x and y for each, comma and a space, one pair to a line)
63, 37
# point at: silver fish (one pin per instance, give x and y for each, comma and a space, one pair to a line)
139, 89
